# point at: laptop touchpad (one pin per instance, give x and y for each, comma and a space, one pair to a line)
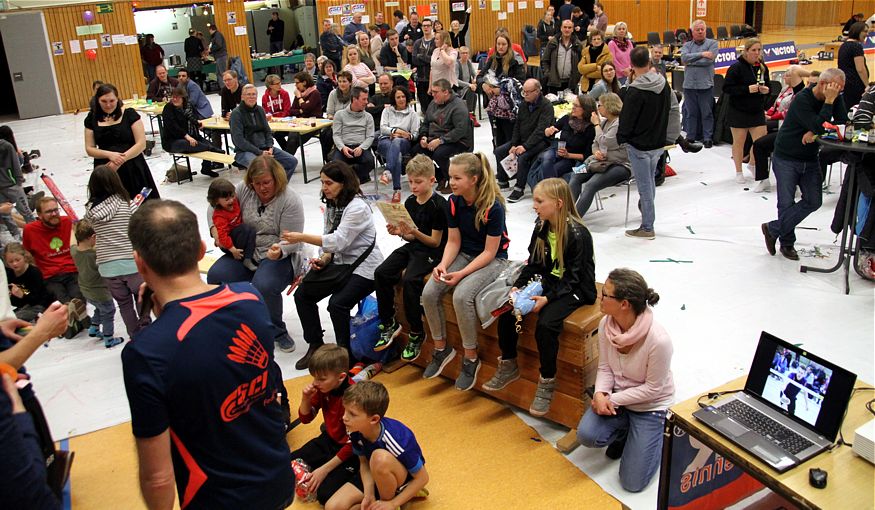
732, 427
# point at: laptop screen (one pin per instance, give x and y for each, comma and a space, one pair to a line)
802, 386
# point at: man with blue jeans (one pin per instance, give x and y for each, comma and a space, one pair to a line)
252, 136
795, 160
643, 126
698, 57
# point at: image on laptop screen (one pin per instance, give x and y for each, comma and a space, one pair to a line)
796, 384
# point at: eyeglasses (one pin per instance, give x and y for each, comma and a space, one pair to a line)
527, 92
56, 210
605, 295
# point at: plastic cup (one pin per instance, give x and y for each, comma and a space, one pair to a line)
561, 144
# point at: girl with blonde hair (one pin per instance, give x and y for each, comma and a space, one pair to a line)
561, 253
475, 255
362, 76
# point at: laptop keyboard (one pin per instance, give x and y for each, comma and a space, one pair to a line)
770, 429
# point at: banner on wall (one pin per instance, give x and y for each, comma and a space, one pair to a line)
725, 58
781, 52
335, 10
701, 8
869, 44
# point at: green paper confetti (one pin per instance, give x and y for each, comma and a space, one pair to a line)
672, 260
764, 198
690, 229
704, 183
683, 307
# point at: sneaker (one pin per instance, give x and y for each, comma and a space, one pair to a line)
209, 173
739, 178
385, 178
75, 310
640, 233
111, 341
503, 184
249, 264
506, 373
439, 361
413, 348
285, 343
615, 450
516, 195
468, 374
543, 397
94, 331
304, 362
763, 186
388, 332
770, 239
368, 372
356, 369
396, 196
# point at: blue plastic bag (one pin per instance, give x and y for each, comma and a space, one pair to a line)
364, 330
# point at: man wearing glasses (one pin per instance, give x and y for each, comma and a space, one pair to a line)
422, 50
528, 139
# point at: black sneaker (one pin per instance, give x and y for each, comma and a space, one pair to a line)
209, 173
516, 195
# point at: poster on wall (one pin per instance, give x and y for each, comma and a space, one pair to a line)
344, 20
347, 9
240, 30
522, 5
90, 44
335, 10
434, 8
458, 6
510, 7
118, 38
58, 48
75, 47
131, 40
482, 4
358, 8
106, 40
232, 18
496, 5
701, 8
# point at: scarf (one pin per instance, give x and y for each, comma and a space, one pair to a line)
636, 333
576, 124
343, 98
307, 92
251, 117
622, 44
594, 52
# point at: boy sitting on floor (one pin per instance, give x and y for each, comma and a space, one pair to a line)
392, 470
329, 454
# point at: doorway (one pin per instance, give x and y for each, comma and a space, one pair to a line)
8, 109
753, 14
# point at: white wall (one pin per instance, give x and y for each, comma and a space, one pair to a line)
160, 23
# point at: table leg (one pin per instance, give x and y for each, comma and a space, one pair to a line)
300, 140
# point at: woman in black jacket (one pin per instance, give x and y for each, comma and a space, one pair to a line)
180, 132
746, 87
547, 28
504, 62
561, 253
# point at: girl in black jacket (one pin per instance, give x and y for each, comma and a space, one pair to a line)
561, 253
180, 133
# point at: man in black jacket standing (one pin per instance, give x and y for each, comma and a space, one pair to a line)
276, 29
422, 50
528, 139
642, 128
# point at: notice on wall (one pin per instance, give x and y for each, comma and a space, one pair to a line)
240, 30
358, 8
458, 6
502, 16
392, 4
433, 7
106, 40
522, 5
131, 40
232, 18
344, 20
90, 44
701, 8
346, 8
482, 4
118, 38
510, 7
58, 48
496, 5
539, 4
75, 47
334, 10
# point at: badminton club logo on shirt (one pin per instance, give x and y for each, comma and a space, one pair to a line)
245, 349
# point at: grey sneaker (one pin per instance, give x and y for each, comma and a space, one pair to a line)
468, 374
506, 373
285, 343
543, 397
640, 233
439, 361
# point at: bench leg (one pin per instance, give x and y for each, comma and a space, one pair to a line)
568, 442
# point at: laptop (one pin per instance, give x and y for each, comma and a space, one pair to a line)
791, 408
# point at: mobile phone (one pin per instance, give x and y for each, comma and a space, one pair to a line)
144, 307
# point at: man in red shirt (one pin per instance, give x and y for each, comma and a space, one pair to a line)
152, 54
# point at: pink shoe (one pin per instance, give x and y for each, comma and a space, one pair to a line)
386, 178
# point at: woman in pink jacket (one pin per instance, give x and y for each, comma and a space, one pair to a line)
621, 50
634, 385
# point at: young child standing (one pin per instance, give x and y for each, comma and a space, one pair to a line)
109, 211
27, 290
93, 287
235, 237
387, 451
561, 253
415, 259
330, 453
476, 246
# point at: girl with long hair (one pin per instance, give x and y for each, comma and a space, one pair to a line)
607, 83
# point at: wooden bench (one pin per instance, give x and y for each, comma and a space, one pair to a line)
577, 362
215, 157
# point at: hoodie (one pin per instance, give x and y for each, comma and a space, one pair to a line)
645, 114
11, 165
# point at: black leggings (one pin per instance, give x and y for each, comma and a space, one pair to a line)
551, 321
339, 306
415, 264
318, 451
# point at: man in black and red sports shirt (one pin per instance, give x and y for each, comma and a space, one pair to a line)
201, 380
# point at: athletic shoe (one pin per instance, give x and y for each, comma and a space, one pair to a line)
503, 184
358, 367
763, 186
209, 173
385, 178
368, 372
75, 310
285, 343
413, 348
468, 374
506, 373
739, 178
94, 331
543, 397
640, 233
388, 332
516, 195
112, 341
439, 361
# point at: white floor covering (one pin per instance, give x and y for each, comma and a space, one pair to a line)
714, 307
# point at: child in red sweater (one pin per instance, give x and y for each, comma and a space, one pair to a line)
235, 237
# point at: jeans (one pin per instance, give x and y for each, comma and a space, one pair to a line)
270, 279
124, 290
699, 113
464, 295
409, 266
554, 166
285, 159
643, 449
392, 150
788, 175
339, 307
15, 194
104, 316
644, 169
585, 186
221, 65
524, 162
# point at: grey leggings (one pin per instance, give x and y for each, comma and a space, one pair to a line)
464, 296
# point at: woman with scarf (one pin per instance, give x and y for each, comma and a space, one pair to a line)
634, 385
621, 50
326, 81
181, 130
576, 134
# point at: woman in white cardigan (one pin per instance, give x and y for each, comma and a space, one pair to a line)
397, 126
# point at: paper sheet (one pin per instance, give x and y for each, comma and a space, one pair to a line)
510, 7
75, 47
502, 15
522, 5
241, 30
131, 40
90, 44
394, 213
539, 4
118, 38
496, 5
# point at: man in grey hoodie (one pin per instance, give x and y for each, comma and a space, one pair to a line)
643, 125
251, 133
353, 131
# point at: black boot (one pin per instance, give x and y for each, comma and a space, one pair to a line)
688, 146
